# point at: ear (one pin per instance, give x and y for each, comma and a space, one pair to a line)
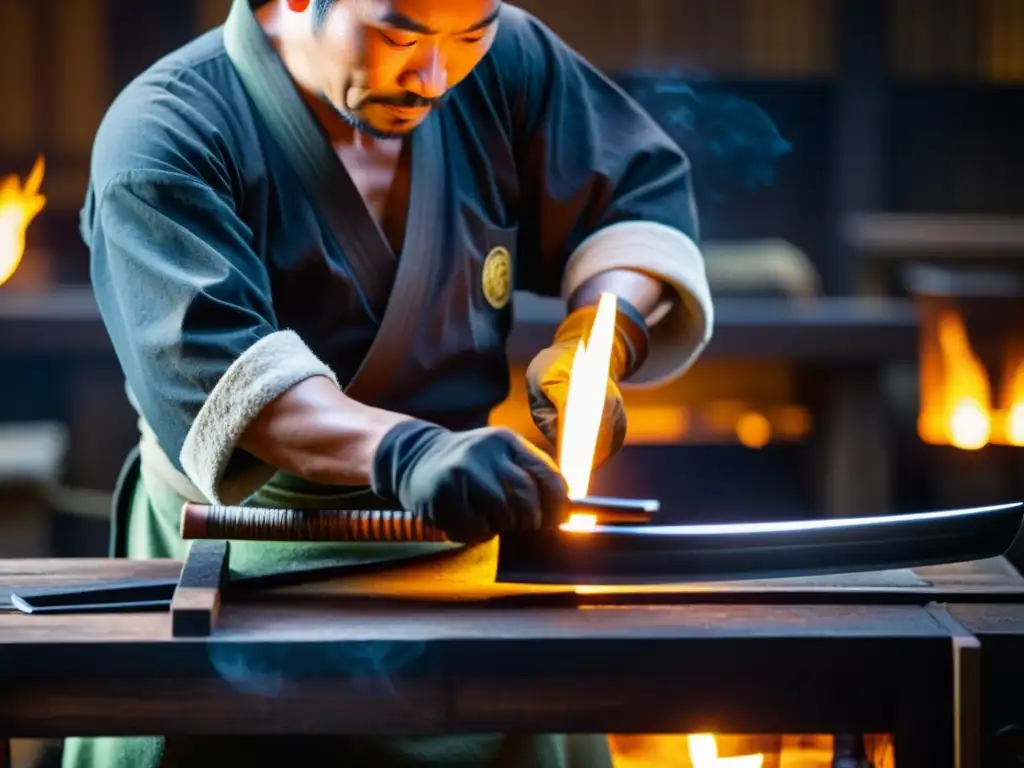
297, 6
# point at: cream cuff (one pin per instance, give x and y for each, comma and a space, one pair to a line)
679, 333
268, 369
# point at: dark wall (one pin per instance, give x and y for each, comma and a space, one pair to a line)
957, 148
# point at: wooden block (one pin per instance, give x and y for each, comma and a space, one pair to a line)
196, 601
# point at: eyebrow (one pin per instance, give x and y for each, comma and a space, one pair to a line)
403, 22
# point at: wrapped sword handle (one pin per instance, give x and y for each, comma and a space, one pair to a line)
213, 521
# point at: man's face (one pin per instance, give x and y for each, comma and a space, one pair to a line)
384, 64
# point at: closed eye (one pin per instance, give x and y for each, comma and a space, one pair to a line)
395, 43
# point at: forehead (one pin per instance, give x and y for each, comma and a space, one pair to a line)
440, 15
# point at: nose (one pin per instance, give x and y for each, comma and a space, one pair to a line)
428, 73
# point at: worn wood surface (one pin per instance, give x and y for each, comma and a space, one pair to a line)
50, 572
1000, 630
318, 666
320, 661
472, 581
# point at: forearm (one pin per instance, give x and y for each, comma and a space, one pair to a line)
318, 433
644, 292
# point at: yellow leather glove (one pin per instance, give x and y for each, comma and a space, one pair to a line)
547, 377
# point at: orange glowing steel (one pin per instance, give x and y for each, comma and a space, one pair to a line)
19, 205
588, 383
704, 754
580, 523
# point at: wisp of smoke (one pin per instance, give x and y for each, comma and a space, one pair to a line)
253, 677
731, 136
366, 666
374, 663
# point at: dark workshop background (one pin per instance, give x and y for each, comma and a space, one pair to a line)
839, 146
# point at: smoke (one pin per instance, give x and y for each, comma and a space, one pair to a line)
728, 138
373, 663
263, 669
251, 674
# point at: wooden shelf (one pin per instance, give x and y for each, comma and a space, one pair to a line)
66, 322
893, 235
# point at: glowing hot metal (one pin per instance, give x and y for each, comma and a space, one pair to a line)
588, 383
581, 425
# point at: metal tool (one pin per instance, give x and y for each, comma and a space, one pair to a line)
103, 597
655, 554
204, 521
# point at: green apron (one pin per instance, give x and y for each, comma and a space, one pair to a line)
152, 532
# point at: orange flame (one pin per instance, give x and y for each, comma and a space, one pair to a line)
960, 411
19, 205
588, 383
704, 754
1013, 392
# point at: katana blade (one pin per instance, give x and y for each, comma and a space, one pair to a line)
661, 554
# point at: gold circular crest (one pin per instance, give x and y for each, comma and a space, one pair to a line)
497, 277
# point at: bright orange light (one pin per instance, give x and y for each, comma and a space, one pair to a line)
580, 523
19, 205
588, 384
968, 394
704, 754
956, 396
753, 430
1013, 391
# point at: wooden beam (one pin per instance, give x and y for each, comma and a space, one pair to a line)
19, 87
196, 602
80, 78
210, 13
860, 119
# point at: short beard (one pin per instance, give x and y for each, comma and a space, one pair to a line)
366, 128
369, 130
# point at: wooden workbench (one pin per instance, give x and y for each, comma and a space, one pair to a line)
887, 653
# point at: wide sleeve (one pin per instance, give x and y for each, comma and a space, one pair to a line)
187, 304
601, 187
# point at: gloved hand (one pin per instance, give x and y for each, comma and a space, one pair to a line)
547, 377
472, 485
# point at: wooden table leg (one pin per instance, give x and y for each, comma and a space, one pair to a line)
849, 751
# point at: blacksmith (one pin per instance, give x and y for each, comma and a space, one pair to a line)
306, 228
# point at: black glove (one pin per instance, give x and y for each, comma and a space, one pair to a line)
472, 485
547, 377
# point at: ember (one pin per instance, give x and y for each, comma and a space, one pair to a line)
19, 205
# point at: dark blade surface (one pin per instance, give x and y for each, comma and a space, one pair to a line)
97, 598
656, 554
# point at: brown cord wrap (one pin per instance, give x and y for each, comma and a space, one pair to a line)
201, 521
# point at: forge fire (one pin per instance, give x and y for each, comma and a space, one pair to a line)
705, 750
20, 203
